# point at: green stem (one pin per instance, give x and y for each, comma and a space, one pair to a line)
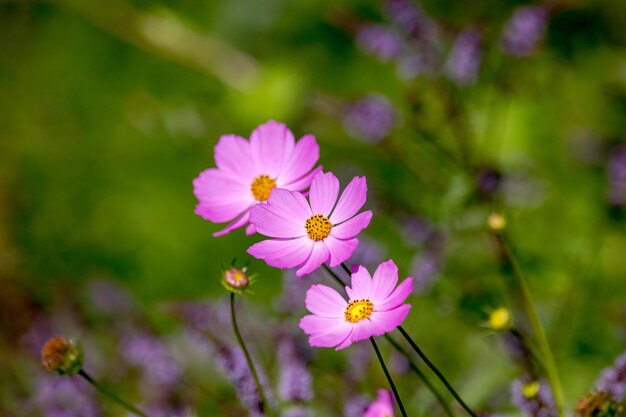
110, 395
393, 386
421, 375
436, 371
540, 335
259, 388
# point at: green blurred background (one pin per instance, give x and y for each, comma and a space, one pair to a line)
108, 110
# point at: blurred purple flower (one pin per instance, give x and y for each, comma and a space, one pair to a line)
464, 60
369, 253
149, 354
109, 297
231, 361
380, 41
616, 175
412, 19
68, 397
359, 361
533, 402
425, 269
291, 298
355, 406
295, 381
488, 181
612, 380
523, 31
370, 119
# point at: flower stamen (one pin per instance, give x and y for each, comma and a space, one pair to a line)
261, 187
358, 310
318, 227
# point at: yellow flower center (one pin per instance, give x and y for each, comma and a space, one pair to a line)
262, 186
317, 227
358, 310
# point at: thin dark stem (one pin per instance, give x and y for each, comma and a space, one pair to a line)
421, 375
436, 371
110, 395
259, 388
335, 276
345, 268
393, 386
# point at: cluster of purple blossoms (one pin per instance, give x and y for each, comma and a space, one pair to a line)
151, 356
411, 40
523, 31
370, 119
613, 379
464, 59
616, 175
62, 397
427, 263
295, 381
533, 397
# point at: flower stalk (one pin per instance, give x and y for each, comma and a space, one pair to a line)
251, 366
540, 335
399, 348
110, 395
389, 379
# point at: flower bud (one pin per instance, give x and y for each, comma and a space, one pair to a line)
496, 222
531, 389
599, 404
499, 319
61, 356
236, 280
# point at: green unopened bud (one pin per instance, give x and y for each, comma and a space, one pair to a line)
236, 280
61, 356
499, 319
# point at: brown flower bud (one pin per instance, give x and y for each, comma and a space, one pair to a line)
61, 356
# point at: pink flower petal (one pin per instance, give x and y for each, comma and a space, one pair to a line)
240, 222
361, 284
270, 143
250, 230
290, 204
233, 155
304, 156
318, 256
323, 193
220, 197
325, 302
287, 253
324, 331
351, 200
384, 281
397, 297
304, 182
352, 227
276, 222
340, 250
387, 321
382, 406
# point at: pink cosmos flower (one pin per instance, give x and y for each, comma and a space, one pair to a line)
375, 308
382, 406
248, 170
308, 233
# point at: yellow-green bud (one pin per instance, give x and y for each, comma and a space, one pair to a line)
499, 319
496, 222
